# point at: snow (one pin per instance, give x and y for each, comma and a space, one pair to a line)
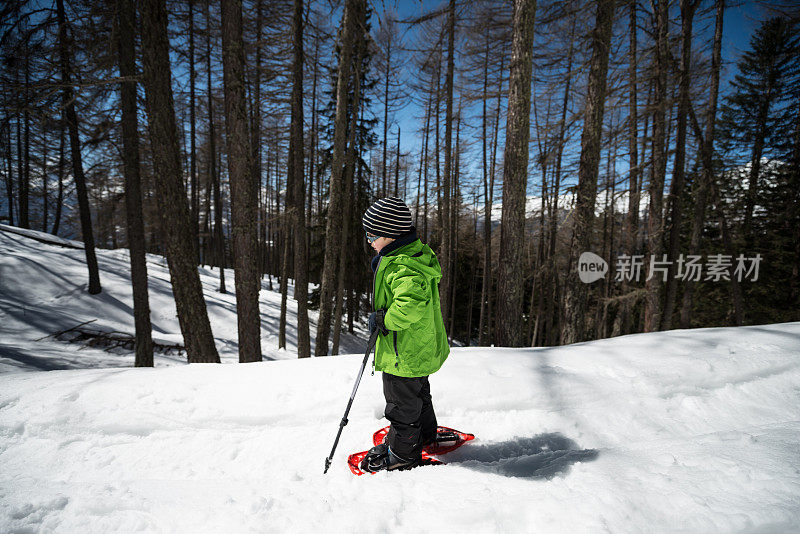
41, 236
43, 291
679, 431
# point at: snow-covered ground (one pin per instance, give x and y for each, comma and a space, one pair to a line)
682, 431
43, 291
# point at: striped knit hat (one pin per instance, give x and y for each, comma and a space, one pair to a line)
388, 217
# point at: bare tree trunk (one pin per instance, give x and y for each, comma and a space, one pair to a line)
285, 238
10, 171
487, 243
349, 174
25, 156
454, 204
386, 111
255, 136
427, 164
534, 309
312, 158
171, 194
45, 146
310, 148
143, 345
244, 206
206, 228
755, 162
352, 15
446, 255
706, 175
551, 312
515, 178
20, 166
632, 219
646, 137
60, 198
472, 275
794, 208
655, 223
688, 8
193, 137
727, 241
488, 279
423, 171
274, 211
296, 159
608, 230
573, 329
77, 164
219, 235
437, 147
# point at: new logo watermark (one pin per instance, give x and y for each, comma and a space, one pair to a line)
591, 267
689, 267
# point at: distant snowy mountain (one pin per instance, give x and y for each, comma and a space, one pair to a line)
566, 202
686, 431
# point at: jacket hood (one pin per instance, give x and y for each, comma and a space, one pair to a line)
419, 257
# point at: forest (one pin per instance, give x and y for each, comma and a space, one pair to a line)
655, 142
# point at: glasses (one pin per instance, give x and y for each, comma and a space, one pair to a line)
371, 238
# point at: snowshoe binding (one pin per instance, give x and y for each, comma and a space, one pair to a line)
381, 457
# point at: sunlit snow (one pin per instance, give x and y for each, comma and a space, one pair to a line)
681, 431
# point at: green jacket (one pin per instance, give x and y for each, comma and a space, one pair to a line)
407, 287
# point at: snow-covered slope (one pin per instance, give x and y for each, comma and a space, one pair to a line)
668, 432
43, 291
682, 431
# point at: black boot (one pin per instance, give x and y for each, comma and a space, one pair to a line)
381, 457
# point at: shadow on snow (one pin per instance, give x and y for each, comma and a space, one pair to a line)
540, 457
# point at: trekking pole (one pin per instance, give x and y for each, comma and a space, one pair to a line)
370, 345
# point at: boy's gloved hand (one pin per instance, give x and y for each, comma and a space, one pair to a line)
376, 322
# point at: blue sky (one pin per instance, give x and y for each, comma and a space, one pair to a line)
741, 19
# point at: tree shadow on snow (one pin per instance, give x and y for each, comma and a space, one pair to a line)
540, 457
28, 361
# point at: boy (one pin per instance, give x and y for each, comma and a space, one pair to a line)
412, 342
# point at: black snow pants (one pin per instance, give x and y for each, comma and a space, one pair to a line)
410, 410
